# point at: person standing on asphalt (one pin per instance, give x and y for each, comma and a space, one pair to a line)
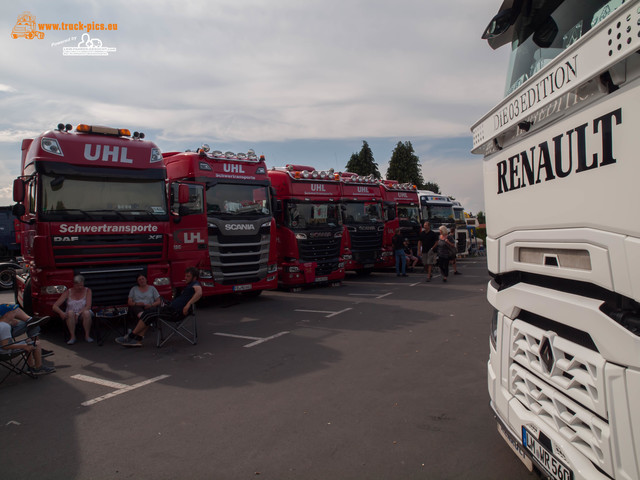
398, 249
427, 238
444, 248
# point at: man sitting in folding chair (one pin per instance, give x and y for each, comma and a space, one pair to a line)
176, 311
24, 356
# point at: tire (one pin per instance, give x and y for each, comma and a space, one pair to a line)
27, 300
7, 277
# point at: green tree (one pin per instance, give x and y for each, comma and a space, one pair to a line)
480, 217
363, 162
404, 165
431, 186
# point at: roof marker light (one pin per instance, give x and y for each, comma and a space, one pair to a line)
68, 127
315, 174
305, 174
216, 153
60, 127
229, 154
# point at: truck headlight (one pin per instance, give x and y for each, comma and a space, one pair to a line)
272, 268
161, 281
53, 290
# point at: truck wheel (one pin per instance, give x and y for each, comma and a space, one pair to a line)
7, 277
27, 301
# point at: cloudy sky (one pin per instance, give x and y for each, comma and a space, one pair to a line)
301, 81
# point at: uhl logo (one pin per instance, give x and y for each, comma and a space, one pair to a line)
317, 187
192, 237
229, 168
363, 189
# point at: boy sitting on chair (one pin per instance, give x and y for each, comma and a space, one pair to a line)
9, 320
177, 309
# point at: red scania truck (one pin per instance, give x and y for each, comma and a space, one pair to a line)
310, 227
91, 202
401, 210
362, 215
226, 227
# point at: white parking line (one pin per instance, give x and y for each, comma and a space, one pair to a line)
330, 313
257, 340
262, 340
121, 388
369, 295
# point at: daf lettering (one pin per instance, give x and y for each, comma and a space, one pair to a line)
106, 153
66, 239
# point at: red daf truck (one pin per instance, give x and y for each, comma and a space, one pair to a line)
363, 218
226, 227
309, 226
91, 202
401, 210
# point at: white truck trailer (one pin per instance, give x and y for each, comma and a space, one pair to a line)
561, 173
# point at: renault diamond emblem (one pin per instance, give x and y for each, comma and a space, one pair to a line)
546, 354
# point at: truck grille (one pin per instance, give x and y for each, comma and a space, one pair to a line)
577, 371
110, 286
585, 431
366, 245
107, 249
325, 251
461, 241
239, 259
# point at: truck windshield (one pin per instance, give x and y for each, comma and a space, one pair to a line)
547, 28
92, 199
409, 213
313, 215
238, 200
363, 212
439, 213
459, 215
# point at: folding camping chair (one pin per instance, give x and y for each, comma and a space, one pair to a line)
167, 327
16, 361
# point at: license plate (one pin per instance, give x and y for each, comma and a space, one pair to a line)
241, 288
545, 458
322, 279
515, 446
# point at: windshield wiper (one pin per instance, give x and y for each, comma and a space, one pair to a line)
114, 212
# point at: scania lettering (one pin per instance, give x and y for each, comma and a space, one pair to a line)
564, 347
310, 230
363, 219
90, 202
222, 221
401, 210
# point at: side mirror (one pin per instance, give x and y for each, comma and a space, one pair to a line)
183, 193
18, 210
18, 190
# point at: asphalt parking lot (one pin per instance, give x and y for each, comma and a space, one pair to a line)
383, 377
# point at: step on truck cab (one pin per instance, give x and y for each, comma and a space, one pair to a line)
225, 225
363, 220
401, 210
563, 237
91, 202
309, 225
